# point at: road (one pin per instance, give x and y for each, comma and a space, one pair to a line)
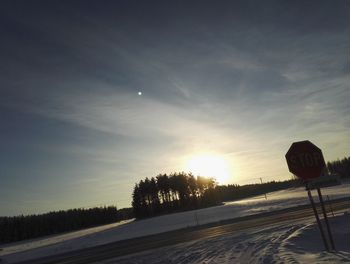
135, 245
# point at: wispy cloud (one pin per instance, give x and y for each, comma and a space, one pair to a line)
245, 85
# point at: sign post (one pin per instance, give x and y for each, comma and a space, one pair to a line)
326, 218
317, 218
305, 160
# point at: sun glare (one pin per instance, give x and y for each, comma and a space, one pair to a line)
210, 166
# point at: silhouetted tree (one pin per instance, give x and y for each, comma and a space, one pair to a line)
137, 203
193, 188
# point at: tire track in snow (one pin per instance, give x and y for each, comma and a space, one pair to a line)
252, 246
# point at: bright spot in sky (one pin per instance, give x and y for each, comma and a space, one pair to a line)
210, 166
139, 93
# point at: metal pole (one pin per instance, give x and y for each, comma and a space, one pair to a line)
317, 218
264, 193
326, 218
330, 205
196, 218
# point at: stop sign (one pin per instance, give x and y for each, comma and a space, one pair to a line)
305, 160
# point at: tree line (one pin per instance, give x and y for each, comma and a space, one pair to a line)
183, 191
340, 167
233, 192
170, 193
24, 227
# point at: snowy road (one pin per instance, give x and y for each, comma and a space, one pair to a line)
254, 228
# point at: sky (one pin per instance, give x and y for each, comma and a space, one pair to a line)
97, 95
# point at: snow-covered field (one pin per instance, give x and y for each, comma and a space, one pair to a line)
25, 250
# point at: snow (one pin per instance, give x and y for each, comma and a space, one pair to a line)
299, 242
306, 244
36, 248
36, 243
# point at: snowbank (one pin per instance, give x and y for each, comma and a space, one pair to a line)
306, 244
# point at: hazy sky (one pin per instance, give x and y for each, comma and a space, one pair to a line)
241, 80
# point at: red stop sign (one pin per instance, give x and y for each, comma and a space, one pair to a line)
305, 160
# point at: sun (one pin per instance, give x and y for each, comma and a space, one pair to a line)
210, 166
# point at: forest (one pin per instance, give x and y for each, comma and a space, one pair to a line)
171, 193
183, 191
24, 227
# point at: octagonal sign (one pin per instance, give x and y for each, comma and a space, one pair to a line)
305, 160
